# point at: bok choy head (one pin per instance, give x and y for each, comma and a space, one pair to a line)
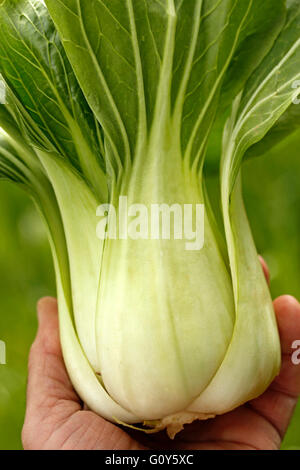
113, 108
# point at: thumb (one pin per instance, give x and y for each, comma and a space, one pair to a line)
47, 338
48, 381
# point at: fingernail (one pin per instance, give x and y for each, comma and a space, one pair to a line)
46, 305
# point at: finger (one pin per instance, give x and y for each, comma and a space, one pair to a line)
242, 427
287, 310
278, 402
288, 316
48, 382
277, 408
265, 269
288, 381
48, 334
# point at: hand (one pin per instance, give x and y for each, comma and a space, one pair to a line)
55, 418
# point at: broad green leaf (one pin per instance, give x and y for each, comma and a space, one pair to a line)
268, 94
145, 64
43, 91
266, 22
263, 28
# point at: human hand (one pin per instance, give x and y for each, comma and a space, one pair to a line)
55, 418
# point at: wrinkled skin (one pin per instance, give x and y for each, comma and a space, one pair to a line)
56, 419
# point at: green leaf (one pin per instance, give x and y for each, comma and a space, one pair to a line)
11, 167
43, 91
265, 23
269, 93
287, 124
139, 63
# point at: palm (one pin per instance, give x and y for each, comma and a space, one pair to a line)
55, 418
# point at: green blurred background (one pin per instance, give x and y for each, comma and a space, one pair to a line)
272, 194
